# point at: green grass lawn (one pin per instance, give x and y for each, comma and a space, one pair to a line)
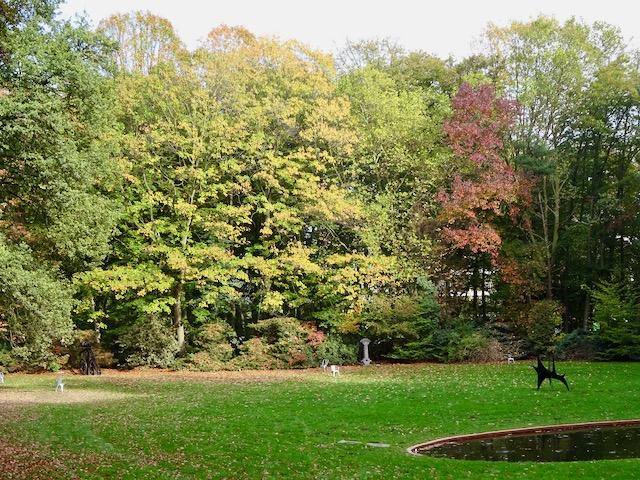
289, 428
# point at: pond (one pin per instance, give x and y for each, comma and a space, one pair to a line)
546, 444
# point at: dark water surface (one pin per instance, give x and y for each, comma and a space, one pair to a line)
568, 446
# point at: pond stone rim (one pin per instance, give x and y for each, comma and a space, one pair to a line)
563, 427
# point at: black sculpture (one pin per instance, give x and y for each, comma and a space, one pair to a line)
88, 363
544, 372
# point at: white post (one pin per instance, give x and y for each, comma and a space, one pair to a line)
365, 357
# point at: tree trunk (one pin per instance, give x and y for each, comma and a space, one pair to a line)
555, 233
475, 289
180, 337
484, 299
549, 279
96, 323
543, 202
586, 319
177, 315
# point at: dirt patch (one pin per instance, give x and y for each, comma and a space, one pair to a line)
129, 377
158, 374
244, 376
31, 397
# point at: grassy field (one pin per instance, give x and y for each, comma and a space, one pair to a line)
288, 425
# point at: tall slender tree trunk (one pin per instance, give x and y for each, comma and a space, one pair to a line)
484, 299
178, 323
96, 323
621, 252
549, 279
475, 289
557, 187
586, 319
543, 202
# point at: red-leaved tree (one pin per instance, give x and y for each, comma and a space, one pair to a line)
486, 187
484, 195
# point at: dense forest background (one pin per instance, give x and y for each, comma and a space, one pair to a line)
258, 204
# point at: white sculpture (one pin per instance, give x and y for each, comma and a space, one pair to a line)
335, 371
59, 384
324, 365
2, 378
365, 357
510, 359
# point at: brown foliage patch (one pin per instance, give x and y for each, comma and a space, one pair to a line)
28, 462
36, 462
23, 397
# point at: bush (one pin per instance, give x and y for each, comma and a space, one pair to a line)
286, 340
577, 345
336, 351
205, 362
475, 347
427, 338
456, 340
255, 354
542, 324
431, 343
36, 306
7, 362
616, 322
148, 342
283, 342
389, 319
215, 351
215, 339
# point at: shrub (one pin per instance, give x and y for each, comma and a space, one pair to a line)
389, 318
286, 340
214, 339
255, 355
457, 340
336, 351
36, 306
206, 362
616, 322
148, 342
577, 345
431, 343
542, 325
474, 347
7, 362
282, 342
428, 339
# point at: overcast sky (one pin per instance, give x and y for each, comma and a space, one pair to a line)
441, 27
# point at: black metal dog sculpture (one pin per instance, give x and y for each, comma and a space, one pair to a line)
544, 372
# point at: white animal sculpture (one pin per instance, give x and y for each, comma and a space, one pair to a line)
324, 364
1, 377
59, 384
510, 359
335, 371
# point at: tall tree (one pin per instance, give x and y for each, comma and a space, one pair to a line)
557, 72
144, 40
229, 217
485, 188
56, 131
